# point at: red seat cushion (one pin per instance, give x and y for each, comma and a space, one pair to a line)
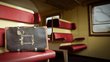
74, 48
26, 56
66, 36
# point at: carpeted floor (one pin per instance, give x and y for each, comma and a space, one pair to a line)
76, 58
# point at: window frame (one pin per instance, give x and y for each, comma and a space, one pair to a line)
90, 14
52, 15
49, 35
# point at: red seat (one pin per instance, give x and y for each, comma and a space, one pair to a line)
23, 56
74, 48
26, 56
17, 15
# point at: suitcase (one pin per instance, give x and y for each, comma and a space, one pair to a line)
26, 39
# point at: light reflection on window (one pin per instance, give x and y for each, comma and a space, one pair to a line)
101, 18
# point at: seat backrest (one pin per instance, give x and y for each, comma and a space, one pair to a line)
13, 13
2, 31
60, 34
18, 14
61, 30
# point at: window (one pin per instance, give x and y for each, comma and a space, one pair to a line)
49, 30
52, 17
99, 18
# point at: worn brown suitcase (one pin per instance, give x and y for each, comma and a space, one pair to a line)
26, 39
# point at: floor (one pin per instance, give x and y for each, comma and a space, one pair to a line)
76, 58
